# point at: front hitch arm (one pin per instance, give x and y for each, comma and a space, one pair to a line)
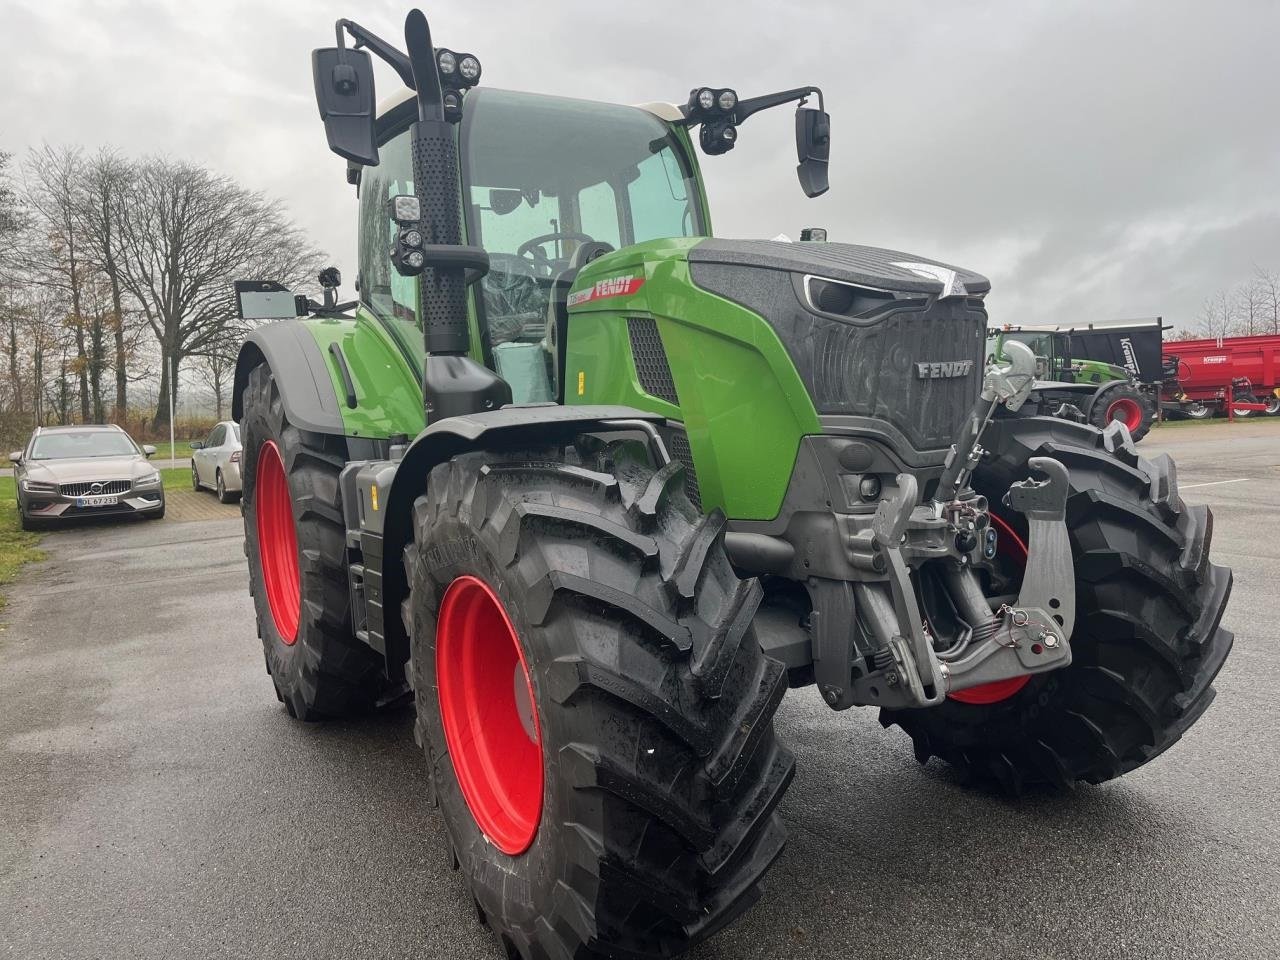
1033, 635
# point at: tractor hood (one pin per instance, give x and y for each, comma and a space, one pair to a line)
886, 343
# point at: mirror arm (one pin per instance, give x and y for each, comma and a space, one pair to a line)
746, 108
383, 50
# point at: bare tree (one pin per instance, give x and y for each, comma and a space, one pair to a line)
1250, 307
185, 235
11, 221
1267, 283
217, 364
1217, 315
53, 177
105, 181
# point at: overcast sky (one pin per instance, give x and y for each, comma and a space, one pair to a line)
1096, 160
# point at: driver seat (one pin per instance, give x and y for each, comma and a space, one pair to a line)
557, 336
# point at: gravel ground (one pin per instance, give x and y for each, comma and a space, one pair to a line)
156, 801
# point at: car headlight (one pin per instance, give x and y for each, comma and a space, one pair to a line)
148, 479
36, 486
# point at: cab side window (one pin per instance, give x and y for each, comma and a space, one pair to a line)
382, 289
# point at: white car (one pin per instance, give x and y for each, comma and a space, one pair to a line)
215, 462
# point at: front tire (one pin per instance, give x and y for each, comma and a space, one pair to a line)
652, 703
1147, 641
295, 540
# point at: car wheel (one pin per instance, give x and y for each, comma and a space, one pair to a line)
223, 496
195, 477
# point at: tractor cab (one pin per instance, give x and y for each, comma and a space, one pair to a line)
548, 184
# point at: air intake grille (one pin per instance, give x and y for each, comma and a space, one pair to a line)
652, 368
680, 450
86, 489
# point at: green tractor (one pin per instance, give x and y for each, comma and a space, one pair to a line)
596, 489
1073, 384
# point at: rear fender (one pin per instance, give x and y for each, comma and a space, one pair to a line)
295, 359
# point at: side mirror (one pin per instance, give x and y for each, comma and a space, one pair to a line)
503, 202
813, 149
15, 456
149, 449
267, 300
344, 94
197, 444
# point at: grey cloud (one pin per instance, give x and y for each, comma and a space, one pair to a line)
1095, 159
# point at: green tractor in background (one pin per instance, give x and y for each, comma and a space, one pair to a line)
1095, 373
596, 489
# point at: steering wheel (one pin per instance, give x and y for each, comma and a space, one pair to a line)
532, 250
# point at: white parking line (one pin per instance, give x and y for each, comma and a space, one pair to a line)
1212, 483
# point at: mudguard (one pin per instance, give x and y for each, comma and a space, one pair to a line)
512, 426
306, 387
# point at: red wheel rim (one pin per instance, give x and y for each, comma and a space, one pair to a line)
1127, 411
1013, 549
278, 542
488, 713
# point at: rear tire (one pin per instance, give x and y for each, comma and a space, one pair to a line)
322, 670
221, 490
1273, 406
1147, 641
654, 703
1244, 411
1196, 410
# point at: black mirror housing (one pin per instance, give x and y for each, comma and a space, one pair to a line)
345, 96
503, 201
813, 149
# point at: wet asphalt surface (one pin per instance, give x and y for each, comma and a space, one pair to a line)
156, 801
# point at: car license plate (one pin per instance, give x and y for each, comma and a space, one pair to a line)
97, 501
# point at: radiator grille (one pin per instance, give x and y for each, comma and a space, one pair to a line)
871, 370
85, 489
652, 369
680, 450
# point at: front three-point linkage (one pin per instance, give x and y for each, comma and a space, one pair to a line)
1029, 636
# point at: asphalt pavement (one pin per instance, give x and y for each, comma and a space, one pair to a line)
156, 801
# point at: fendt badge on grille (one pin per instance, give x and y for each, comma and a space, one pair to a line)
943, 369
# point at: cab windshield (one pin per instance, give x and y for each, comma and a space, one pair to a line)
546, 175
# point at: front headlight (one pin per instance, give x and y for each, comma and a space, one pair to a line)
36, 486
148, 480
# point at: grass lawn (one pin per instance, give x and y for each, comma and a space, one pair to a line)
176, 478
181, 450
16, 545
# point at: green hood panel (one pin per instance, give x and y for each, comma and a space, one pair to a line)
388, 396
736, 390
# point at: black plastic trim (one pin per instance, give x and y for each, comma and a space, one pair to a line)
348, 385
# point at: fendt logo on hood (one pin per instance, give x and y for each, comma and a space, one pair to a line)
609, 287
943, 369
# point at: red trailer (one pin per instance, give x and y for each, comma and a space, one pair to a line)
1200, 374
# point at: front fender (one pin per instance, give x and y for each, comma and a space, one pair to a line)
511, 427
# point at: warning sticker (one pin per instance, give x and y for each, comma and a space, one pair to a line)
603, 289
